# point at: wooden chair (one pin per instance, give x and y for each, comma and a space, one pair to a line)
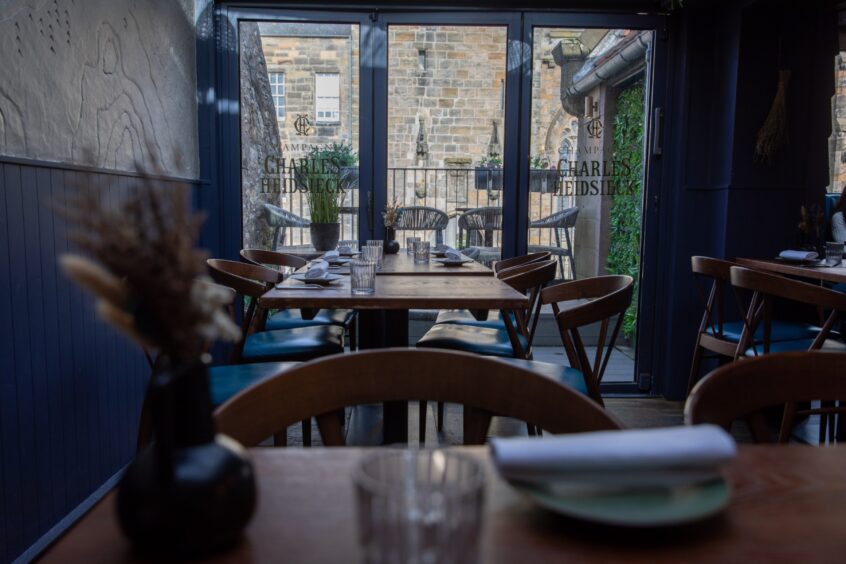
744, 389
300, 343
758, 317
484, 386
609, 297
505, 264
292, 318
717, 334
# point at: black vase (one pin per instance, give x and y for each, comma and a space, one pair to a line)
191, 492
391, 246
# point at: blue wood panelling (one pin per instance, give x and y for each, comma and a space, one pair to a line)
70, 386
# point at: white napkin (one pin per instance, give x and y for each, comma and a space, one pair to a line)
648, 457
317, 269
331, 255
346, 249
452, 254
798, 255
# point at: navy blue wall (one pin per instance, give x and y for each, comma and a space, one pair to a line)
722, 203
71, 387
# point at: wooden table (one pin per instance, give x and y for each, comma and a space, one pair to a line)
788, 505
835, 274
383, 316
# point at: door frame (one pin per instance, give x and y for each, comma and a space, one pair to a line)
373, 121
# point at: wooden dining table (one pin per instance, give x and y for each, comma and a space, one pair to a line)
788, 504
383, 315
834, 274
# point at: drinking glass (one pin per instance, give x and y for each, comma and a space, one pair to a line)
833, 253
419, 506
362, 277
421, 252
409, 244
373, 254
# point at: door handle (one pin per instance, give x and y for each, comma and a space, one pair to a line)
657, 125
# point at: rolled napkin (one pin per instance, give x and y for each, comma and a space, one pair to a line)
798, 255
452, 254
317, 269
637, 458
441, 247
331, 255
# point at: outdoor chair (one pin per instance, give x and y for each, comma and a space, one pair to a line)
280, 220
789, 380
561, 221
486, 387
423, 218
479, 225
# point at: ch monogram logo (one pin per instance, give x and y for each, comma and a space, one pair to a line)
302, 124
594, 128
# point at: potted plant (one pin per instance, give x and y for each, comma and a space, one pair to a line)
391, 217
489, 173
542, 176
324, 183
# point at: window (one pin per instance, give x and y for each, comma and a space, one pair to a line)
421, 59
277, 89
327, 97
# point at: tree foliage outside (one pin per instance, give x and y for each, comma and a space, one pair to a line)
626, 208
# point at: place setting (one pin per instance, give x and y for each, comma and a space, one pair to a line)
317, 276
447, 256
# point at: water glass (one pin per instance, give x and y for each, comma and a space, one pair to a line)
409, 244
419, 506
373, 254
421, 252
362, 277
833, 253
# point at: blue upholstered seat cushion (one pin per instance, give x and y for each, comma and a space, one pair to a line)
464, 317
479, 340
779, 331
833, 345
570, 377
302, 343
226, 381
291, 319
839, 287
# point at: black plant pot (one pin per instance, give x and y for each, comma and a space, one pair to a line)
543, 180
488, 179
192, 491
325, 236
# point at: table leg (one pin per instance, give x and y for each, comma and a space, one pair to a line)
379, 329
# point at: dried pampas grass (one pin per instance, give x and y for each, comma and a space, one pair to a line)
773, 134
144, 268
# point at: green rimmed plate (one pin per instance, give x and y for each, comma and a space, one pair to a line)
654, 507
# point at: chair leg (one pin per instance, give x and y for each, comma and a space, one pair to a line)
353, 334
422, 418
307, 432
280, 439
531, 429
440, 416
695, 366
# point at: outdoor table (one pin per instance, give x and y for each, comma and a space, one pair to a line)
383, 315
788, 504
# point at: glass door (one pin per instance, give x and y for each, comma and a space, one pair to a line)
302, 98
588, 99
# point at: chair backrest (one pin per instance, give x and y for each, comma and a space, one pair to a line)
529, 279
608, 296
487, 218
718, 272
504, 264
422, 218
485, 387
563, 219
766, 286
277, 217
262, 257
745, 388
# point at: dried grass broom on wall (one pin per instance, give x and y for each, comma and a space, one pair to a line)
773, 134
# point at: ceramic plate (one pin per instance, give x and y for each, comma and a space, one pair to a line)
339, 261
659, 507
458, 262
325, 281
350, 254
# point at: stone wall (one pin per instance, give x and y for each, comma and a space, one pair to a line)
105, 83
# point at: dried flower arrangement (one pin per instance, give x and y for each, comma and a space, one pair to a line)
391, 214
811, 224
144, 269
